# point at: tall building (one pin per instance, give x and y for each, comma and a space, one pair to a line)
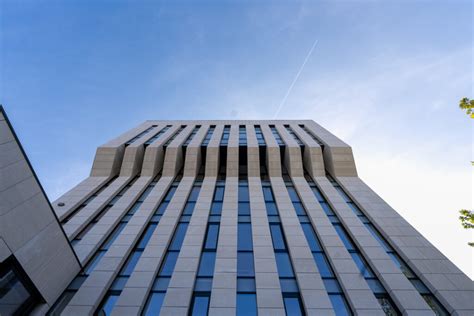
225, 218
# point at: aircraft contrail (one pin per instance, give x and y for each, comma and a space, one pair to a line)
294, 80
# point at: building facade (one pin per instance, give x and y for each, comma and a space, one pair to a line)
239, 218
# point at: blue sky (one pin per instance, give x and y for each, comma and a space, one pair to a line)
385, 76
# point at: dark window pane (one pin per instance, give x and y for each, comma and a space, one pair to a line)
193, 196
387, 305
375, 286
211, 238
243, 193
244, 208
206, 266
200, 305
311, 237
119, 283
402, 265
435, 305
292, 306
318, 194
146, 237
326, 208
154, 304
289, 285
131, 263
245, 266
323, 265
169, 263
419, 286
170, 193
189, 208
246, 285
277, 237
216, 208
332, 286
108, 304
271, 208
178, 238
362, 265
339, 304
161, 284
283, 262
293, 195
162, 208
244, 236
267, 194
203, 284
219, 194
344, 237
299, 209
246, 304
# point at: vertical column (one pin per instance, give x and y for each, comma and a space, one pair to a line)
400, 289
180, 288
108, 157
253, 156
174, 153
293, 161
155, 153
212, 152
452, 287
273, 152
224, 286
313, 292
269, 297
313, 154
356, 289
193, 158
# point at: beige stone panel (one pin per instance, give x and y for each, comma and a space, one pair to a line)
213, 153
192, 162
293, 160
313, 155
273, 152
174, 152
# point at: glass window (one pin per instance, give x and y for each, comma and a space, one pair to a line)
203, 284
339, 304
267, 193
108, 304
178, 238
387, 305
277, 237
326, 208
135, 208
246, 304
293, 305
154, 304
170, 193
377, 236
246, 285
318, 194
206, 266
188, 208
219, 194
216, 208
94, 261
169, 263
131, 263
323, 265
245, 267
293, 195
376, 286
194, 194
212, 235
145, 194
244, 208
244, 237
146, 237
332, 286
243, 193
362, 265
283, 262
271, 208
311, 237
200, 305
435, 305
114, 235
299, 209
289, 285
355, 209
402, 265
161, 283
345, 239
161, 209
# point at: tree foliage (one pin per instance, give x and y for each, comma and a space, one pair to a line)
467, 105
467, 221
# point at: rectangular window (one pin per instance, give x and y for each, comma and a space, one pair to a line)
178, 237
285, 270
245, 266
225, 136
246, 304
293, 305
277, 237
244, 237
200, 304
208, 136
206, 266
211, 237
